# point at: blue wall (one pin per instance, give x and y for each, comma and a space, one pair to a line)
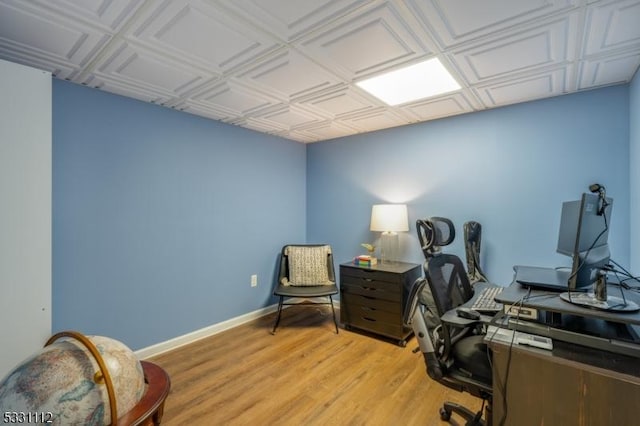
161, 217
634, 164
508, 168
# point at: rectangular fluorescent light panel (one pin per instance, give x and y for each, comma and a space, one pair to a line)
418, 81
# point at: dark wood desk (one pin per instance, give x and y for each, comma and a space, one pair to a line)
562, 321
591, 377
570, 385
550, 301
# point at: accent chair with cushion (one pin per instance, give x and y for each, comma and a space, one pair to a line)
306, 271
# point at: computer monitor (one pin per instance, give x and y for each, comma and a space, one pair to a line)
584, 232
583, 235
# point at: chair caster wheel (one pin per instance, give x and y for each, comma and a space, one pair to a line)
445, 415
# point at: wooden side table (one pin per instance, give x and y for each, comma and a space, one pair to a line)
149, 410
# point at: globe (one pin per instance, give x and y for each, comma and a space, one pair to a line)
62, 384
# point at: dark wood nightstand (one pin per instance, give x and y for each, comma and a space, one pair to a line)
373, 298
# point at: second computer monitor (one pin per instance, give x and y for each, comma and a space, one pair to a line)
583, 235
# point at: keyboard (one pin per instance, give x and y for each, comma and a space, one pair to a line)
485, 302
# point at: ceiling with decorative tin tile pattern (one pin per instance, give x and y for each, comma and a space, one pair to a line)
290, 67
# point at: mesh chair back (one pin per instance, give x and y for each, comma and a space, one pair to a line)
434, 233
448, 282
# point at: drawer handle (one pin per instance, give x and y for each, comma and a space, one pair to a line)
368, 319
368, 279
369, 288
367, 308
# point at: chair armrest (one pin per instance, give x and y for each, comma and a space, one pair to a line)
451, 317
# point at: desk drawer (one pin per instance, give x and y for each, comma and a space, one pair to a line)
390, 277
372, 304
375, 324
370, 314
372, 288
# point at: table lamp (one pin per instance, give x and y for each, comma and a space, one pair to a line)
389, 219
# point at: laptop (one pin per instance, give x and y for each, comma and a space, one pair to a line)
542, 278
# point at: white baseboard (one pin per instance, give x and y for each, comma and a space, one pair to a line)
210, 330
185, 339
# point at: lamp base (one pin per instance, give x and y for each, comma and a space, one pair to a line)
388, 247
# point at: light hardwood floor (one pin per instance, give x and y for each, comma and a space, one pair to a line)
303, 375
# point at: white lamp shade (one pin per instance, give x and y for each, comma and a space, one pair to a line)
389, 218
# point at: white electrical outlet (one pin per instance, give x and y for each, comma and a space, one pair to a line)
254, 280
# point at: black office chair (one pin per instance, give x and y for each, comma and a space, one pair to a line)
306, 271
472, 238
457, 357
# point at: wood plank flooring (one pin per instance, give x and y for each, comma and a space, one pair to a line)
303, 375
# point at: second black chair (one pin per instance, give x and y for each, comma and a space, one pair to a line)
472, 239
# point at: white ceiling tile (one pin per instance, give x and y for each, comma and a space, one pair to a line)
48, 35
291, 19
206, 110
543, 85
298, 136
542, 46
196, 31
288, 75
367, 43
59, 69
288, 117
381, 118
459, 21
111, 14
610, 70
261, 125
440, 107
234, 98
323, 131
338, 102
289, 68
130, 90
143, 68
612, 26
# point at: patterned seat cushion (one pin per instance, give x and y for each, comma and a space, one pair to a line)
308, 265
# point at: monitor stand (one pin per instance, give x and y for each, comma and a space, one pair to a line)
599, 299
